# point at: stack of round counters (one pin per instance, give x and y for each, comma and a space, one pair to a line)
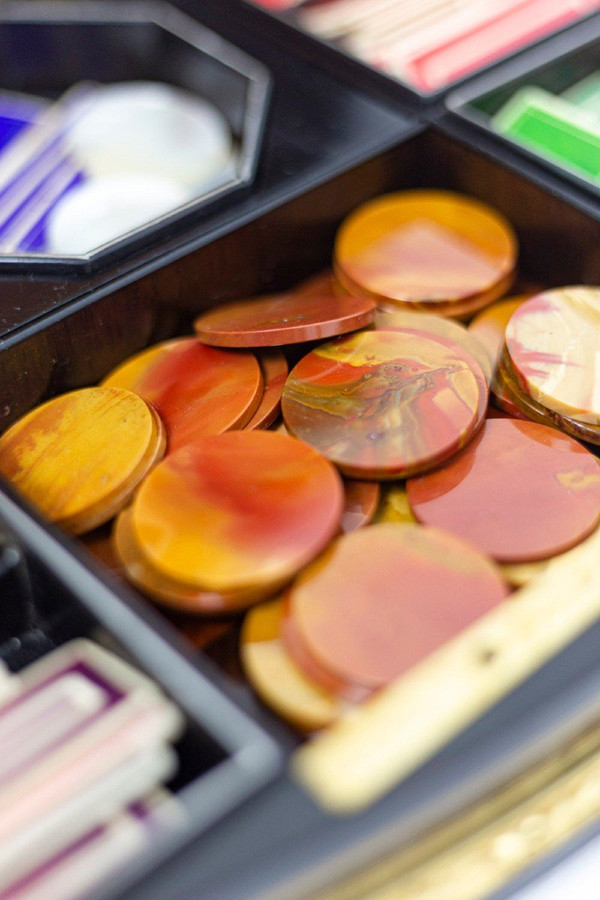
197, 390
374, 605
431, 250
385, 404
277, 679
232, 516
80, 457
229, 519
551, 357
528, 408
280, 319
520, 492
171, 592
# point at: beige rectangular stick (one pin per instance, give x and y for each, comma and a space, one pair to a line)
368, 752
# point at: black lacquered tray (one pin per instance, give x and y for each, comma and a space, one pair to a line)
327, 147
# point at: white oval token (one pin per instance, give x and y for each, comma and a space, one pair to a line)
145, 127
103, 209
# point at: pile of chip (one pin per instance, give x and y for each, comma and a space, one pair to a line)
385, 420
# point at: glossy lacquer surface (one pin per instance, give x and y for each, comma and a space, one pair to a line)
554, 344
384, 404
382, 598
197, 390
240, 510
520, 492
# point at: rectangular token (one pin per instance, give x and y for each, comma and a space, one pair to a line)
585, 94
17, 111
398, 52
47, 833
66, 703
553, 128
506, 31
98, 851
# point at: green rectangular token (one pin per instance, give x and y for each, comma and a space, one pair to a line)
552, 127
585, 94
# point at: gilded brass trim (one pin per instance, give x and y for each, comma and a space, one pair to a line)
481, 850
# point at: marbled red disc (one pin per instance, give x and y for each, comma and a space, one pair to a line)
553, 340
385, 404
426, 248
382, 598
520, 492
445, 329
171, 592
528, 408
236, 512
279, 319
313, 669
197, 390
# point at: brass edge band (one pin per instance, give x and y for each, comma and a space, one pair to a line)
484, 848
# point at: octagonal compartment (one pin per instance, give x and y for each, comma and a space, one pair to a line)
46, 47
